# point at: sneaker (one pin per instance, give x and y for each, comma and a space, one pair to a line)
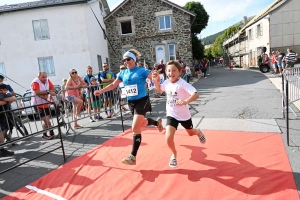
108, 116
78, 116
91, 119
5, 153
130, 160
98, 117
51, 133
77, 127
159, 126
46, 137
201, 136
173, 163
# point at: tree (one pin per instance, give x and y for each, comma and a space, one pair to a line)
199, 24
201, 19
207, 53
198, 48
217, 47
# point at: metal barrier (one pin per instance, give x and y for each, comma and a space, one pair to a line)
66, 107
25, 128
290, 93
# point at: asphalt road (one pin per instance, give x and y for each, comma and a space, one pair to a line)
226, 98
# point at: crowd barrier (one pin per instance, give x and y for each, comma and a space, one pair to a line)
22, 128
290, 94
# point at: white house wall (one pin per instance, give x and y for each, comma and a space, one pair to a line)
285, 26
256, 42
74, 37
98, 45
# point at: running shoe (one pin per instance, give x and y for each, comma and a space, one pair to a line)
130, 160
46, 137
91, 119
173, 163
5, 153
201, 136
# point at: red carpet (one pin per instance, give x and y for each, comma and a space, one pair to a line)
231, 165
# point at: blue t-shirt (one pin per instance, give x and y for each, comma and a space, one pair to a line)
9, 88
136, 76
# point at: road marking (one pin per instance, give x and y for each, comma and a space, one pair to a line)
44, 192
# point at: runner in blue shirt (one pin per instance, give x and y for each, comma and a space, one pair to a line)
134, 80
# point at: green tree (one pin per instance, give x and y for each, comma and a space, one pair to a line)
207, 53
217, 47
198, 48
201, 19
199, 24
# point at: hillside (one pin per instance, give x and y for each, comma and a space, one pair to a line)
211, 39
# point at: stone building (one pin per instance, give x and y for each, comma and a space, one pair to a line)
158, 29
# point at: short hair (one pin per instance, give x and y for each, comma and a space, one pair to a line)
89, 67
40, 73
105, 64
64, 79
1, 77
175, 63
2, 86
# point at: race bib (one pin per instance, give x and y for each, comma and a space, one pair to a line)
131, 90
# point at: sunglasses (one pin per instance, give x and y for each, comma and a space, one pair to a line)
73, 72
126, 59
122, 68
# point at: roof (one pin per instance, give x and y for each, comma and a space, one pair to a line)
263, 13
37, 4
165, 1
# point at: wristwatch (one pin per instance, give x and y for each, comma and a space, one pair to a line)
48, 91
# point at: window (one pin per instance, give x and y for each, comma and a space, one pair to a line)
2, 70
172, 55
99, 62
126, 28
259, 31
250, 34
164, 22
101, 8
40, 29
46, 65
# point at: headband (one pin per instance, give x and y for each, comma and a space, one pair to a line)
131, 55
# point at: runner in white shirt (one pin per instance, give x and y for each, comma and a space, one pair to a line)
179, 94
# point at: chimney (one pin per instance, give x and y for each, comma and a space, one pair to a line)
245, 20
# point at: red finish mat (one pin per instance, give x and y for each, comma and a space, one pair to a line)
231, 165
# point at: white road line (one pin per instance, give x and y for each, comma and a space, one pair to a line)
44, 192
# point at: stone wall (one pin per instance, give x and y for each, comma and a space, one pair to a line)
145, 32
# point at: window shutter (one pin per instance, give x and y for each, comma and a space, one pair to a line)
261, 29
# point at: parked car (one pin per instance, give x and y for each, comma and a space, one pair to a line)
16, 105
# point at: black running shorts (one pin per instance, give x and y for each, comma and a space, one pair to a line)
171, 121
140, 106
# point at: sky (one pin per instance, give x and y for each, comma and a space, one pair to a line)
222, 13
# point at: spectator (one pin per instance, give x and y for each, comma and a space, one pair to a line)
188, 74
4, 100
290, 58
41, 89
280, 61
161, 68
8, 87
87, 80
120, 87
96, 101
107, 77
74, 85
139, 64
63, 94
196, 67
274, 63
204, 67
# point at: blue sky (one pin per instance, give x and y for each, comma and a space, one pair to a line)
222, 13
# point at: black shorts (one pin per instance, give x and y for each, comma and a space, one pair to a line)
43, 111
197, 69
140, 106
171, 121
3, 123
